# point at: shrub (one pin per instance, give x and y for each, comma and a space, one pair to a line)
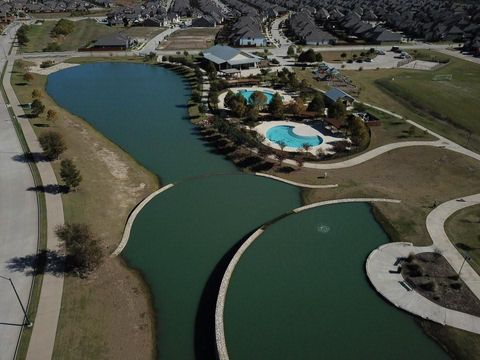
456, 286
428, 286
51, 115
52, 47
47, 64
308, 56
27, 77
37, 107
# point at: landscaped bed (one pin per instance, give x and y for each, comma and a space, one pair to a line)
432, 276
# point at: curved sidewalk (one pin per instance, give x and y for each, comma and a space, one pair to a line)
382, 261
222, 293
45, 323
133, 215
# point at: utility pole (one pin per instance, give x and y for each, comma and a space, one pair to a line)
26, 321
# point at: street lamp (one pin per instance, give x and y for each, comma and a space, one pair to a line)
466, 257
26, 321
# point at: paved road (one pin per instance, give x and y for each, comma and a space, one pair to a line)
153, 43
45, 327
18, 223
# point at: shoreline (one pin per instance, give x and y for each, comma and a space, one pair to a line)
154, 179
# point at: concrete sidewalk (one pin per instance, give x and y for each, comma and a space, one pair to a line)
380, 264
45, 324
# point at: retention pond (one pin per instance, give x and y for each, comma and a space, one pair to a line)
183, 240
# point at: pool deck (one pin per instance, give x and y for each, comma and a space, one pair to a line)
221, 98
299, 129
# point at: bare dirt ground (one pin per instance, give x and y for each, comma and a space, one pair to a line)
191, 38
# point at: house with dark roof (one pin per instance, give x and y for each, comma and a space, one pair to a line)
112, 42
204, 21
226, 57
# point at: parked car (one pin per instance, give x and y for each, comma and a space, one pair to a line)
380, 52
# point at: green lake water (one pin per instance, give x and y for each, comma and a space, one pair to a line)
302, 286
183, 240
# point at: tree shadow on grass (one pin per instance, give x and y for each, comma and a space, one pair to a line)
53, 189
205, 343
45, 262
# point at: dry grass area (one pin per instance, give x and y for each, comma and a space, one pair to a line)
191, 38
336, 56
107, 315
418, 176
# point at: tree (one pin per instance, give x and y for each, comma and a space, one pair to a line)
307, 56
291, 51
359, 131
36, 93
343, 55
63, 27
251, 113
211, 70
83, 251
293, 81
37, 107
276, 106
52, 144
196, 96
22, 36
306, 147
70, 174
27, 77
318, 57
238, 108
51, 115
317, 105
297, 107
337, 110
258, 100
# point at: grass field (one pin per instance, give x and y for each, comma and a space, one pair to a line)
463, 229
391, 129
95, 321
448, 107
86, 31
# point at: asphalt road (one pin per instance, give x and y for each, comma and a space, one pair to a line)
18, 225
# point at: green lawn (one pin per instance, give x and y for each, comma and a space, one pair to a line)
86, 31
463, 229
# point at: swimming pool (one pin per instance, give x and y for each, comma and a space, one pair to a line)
284, 134
247, 94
